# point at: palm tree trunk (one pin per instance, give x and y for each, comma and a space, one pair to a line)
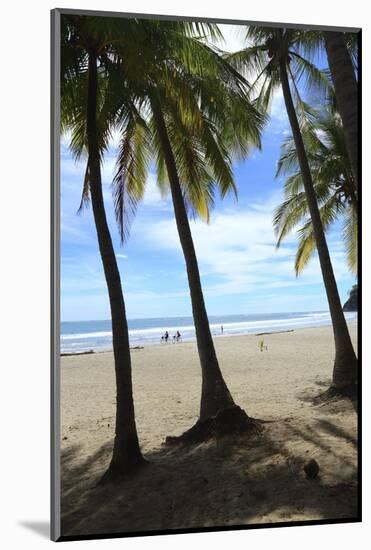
126, 454
346, 91
345, 366
215, 395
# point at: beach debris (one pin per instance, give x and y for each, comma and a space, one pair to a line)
274, 332
73, 353
311, 468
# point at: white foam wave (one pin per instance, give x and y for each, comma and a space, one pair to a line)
103, 339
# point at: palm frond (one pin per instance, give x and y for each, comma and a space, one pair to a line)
329, 212
311, 77
306, 249
288, 214
131, 173
350, 236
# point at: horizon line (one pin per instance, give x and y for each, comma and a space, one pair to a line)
191, 316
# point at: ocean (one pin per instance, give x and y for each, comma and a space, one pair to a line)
79, 336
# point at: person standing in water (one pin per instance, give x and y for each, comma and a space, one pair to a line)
221, 329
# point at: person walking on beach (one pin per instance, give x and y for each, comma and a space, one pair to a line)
178, 336
166, 337
221, 329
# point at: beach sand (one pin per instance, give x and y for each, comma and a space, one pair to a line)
232, 481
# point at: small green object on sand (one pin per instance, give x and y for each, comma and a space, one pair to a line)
311, 468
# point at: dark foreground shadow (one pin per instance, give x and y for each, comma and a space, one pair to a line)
41, 528
333, 403
233, 481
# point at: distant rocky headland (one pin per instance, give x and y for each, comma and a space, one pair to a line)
352, 303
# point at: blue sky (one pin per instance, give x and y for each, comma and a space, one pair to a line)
242, 271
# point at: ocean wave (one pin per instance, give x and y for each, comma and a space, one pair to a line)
102, 340
86, 335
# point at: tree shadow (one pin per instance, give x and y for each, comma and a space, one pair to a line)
329, 403
313, 436
337, 431
308, 395
227, 481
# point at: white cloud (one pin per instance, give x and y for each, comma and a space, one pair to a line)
237, 251
152, 195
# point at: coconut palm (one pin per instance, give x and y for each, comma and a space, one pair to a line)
275, 55
88, 111
195, 114
342, 55
334, 185
346, 89
164, 98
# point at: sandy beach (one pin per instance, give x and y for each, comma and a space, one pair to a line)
234, 481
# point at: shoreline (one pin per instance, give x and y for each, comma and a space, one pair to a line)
141, 346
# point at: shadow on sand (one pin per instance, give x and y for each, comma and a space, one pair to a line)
332, 404
231, 481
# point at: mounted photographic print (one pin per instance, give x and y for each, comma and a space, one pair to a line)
205, 191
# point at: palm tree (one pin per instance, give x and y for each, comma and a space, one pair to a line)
346, 90
88, 94
276, 58
215, 395
195, 113
334, 186
342, 55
